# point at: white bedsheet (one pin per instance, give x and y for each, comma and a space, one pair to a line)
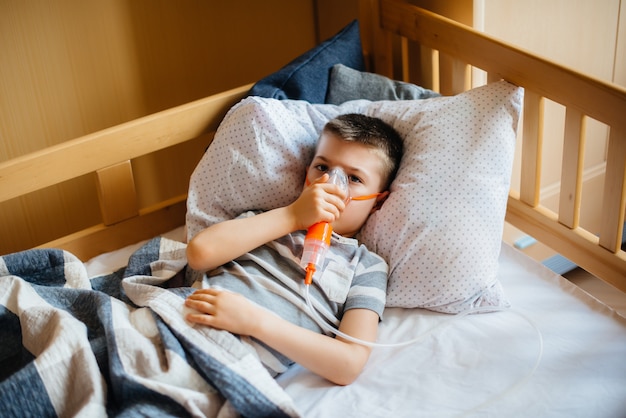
478, 359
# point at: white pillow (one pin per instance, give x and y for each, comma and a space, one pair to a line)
257, 159
441, 227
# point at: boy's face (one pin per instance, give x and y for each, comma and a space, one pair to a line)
364, 169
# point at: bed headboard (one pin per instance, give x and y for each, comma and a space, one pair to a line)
455, 50
388, 28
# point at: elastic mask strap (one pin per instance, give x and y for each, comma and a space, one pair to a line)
365, 197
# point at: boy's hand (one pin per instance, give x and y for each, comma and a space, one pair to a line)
225, 310
318, 202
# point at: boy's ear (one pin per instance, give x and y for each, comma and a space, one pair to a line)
380, 200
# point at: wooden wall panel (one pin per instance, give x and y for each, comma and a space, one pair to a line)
332, 16
71, 67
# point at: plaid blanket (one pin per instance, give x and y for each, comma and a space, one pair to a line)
118, 345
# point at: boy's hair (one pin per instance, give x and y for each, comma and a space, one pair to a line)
373, 132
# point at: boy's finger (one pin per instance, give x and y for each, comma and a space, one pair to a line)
322, 179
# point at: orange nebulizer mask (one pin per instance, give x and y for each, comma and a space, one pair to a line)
317, 240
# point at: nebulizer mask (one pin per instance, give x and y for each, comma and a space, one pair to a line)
317, 240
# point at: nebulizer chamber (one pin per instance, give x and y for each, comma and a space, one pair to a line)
317, 240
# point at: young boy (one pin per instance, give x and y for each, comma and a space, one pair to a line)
253, 261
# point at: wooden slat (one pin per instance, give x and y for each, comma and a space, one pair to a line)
531, 148
614, 200
404, 48
429, 59
116, 192
454, 75
110, 146
596, 98
575, 244
572, 169
99, 239
366, 25
377, 43
383, 58
491, 78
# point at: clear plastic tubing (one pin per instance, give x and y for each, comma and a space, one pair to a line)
511, 389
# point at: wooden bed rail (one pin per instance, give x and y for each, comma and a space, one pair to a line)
582, 96
108, 153
114, 145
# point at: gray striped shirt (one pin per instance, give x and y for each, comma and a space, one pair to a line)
271, 276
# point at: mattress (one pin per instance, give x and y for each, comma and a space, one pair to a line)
558, 351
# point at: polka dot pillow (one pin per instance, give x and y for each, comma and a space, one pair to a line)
441, 227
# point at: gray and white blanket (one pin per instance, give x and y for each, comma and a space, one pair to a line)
118, 345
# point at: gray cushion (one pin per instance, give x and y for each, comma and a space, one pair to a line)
347, 84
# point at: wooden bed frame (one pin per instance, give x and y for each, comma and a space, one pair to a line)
385, 24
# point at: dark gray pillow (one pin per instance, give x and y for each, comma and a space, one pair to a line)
347, 84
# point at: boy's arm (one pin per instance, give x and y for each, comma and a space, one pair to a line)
225, 241
332, 358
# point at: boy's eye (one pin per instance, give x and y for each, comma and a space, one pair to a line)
324, 168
